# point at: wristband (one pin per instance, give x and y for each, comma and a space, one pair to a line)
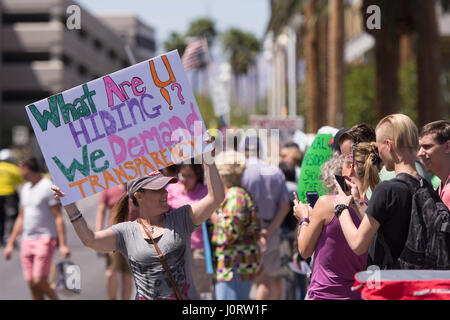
303, 220
78, 216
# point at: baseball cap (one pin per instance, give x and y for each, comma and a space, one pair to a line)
334, 142
154, 181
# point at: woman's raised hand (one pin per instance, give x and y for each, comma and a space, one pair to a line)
208, 157
57, 193
71, 209
302, 210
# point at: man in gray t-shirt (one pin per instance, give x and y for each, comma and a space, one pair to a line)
152, 281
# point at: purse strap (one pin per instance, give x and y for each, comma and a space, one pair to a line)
163, 262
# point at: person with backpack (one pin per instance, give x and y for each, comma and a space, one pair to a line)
399, 208
434, 141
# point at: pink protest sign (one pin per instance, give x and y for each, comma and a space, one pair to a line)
118, 127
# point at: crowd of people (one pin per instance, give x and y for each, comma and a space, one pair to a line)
245, 211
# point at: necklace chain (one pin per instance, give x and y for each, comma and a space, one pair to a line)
152, 227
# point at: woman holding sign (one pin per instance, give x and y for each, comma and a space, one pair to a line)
157, 244
319, 230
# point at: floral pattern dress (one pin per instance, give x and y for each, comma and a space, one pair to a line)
235, 237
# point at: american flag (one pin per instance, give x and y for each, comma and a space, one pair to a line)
195, 55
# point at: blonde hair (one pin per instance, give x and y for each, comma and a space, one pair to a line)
401, 129
367, 164
231, 165
329, 169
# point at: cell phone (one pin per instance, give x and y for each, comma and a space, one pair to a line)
296, 196
341, 181
312, 197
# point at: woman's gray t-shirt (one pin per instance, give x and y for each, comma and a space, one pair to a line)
152, 281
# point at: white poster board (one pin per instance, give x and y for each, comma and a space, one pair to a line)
118, 127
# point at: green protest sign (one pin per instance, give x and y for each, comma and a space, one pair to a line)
315, 157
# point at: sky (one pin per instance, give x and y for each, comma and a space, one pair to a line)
175, 15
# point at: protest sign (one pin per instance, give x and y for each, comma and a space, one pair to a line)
118, 127
315, 157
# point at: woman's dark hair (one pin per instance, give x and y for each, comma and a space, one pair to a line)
288, 170
197, 169
361, 132
172, 170
31, 163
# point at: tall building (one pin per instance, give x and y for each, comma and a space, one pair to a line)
42, 56
138, 36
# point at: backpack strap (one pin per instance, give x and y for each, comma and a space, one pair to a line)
413, 183
387, 259
445, 227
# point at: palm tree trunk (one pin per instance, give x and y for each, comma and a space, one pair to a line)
323, 69
407, 42
335, 62
386, 82
430, 100
386, 57
312, 68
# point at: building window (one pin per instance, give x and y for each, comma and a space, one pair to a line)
19, 57
66, 60
25, 96
82, 70
146, 43
112, 55
25, 17
82, 34
98, 45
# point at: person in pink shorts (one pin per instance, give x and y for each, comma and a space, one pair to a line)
41, 225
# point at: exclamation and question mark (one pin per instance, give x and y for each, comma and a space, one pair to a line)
171, 80
177, 85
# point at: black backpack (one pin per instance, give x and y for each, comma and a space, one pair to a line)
427, 245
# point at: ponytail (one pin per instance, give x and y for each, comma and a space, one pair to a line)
366, 155
120, 210
372, 168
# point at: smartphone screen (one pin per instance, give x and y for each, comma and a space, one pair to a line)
341, 181
312, 197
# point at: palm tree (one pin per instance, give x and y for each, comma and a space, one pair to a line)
242, 49
402, 17
387, 41
430, 99
202, 28
313, 109
176, 41
335, 62
315, 43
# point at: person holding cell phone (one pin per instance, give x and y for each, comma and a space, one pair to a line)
319, 231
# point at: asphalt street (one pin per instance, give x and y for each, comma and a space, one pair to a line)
92, 267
